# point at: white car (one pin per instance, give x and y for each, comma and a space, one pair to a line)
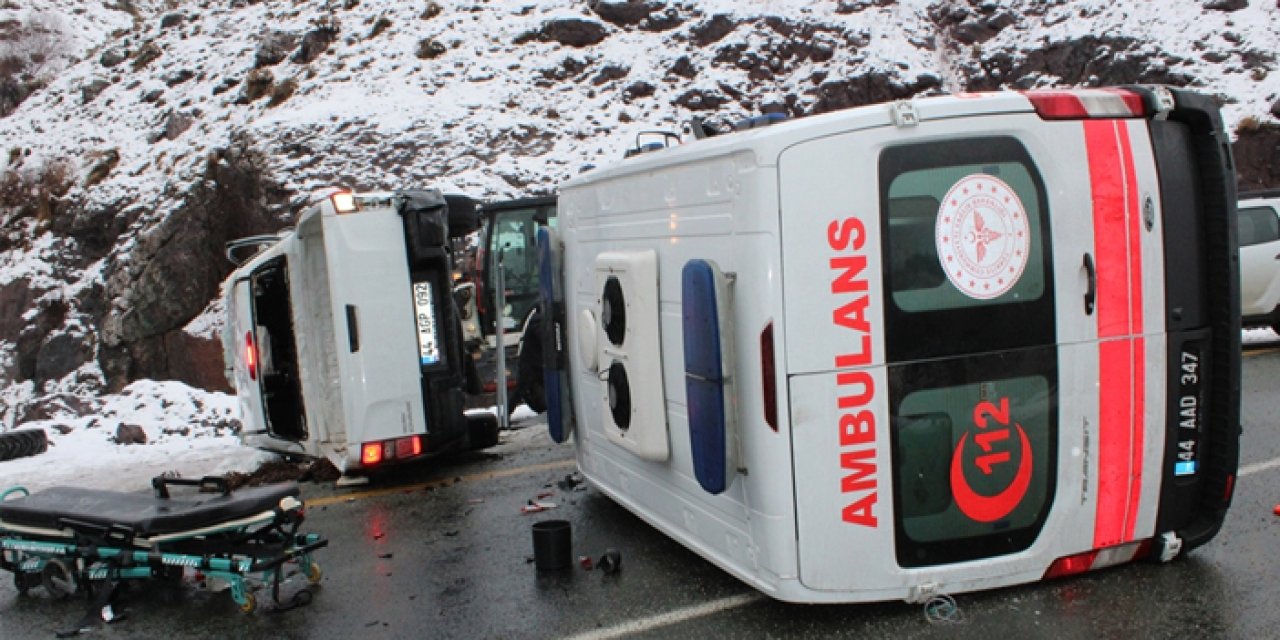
1259, 229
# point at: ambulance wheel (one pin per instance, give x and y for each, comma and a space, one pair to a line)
314, 573
482, 430
250, 603
57, 579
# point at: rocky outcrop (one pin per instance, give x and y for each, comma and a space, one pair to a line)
570, 32
1257, 157
177, 266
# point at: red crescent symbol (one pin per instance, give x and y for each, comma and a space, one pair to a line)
990, 508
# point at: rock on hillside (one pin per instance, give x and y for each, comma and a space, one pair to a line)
140, 135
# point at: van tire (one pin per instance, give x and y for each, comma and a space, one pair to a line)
482, 430
22, 443
529, 385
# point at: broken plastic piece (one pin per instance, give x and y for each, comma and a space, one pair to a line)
585, 562
570, 482
536, 507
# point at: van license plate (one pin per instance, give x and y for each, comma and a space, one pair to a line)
424, 309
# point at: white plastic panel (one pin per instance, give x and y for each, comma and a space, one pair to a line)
634, 419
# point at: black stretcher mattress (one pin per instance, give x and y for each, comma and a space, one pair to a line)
146, 515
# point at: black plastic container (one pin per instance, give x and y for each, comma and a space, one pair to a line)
552, 546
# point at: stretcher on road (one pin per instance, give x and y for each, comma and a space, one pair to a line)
71, 540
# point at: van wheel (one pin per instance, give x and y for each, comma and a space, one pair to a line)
529, 385
482, 430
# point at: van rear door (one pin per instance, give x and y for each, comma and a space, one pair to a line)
375, 338
947, 285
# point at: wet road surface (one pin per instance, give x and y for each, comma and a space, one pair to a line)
443, 551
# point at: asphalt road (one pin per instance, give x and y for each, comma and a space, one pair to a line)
443, 551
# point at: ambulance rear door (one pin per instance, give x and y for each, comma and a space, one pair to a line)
943, 296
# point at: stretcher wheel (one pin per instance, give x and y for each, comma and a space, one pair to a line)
23, 581
250, 603
314, 573
57, 579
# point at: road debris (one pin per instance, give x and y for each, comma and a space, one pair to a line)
585, 562
572, 482
533, 506
611, 561
942, 609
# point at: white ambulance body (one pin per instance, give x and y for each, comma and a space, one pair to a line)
942, 345
340, 337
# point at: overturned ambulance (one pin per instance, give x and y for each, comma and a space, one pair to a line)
342, 339
939, 345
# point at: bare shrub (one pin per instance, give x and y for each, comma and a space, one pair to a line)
282, 92
382, 24
30, 54
37, 193
257, 84
103, 163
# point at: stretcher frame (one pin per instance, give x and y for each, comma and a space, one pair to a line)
78, 556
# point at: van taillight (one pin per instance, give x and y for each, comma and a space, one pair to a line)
1082, 104
768, 377
372, 453
251, 355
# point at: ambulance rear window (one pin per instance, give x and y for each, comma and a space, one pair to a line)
967, 248
919, 242
974, 460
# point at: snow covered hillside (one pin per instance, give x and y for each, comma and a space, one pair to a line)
140, 135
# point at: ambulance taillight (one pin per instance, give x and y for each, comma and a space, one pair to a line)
1098, 559
768, 377
1085, 104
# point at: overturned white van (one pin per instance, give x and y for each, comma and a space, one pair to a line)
341, 336
940, 345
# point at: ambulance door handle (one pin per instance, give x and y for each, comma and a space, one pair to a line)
1092, 288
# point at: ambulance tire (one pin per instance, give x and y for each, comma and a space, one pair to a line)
482, 430
22, 443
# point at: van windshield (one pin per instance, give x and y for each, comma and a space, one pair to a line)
514, 236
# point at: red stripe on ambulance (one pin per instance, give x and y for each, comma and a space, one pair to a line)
1121, 375
854, 389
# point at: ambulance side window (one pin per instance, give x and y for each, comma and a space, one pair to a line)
967, 254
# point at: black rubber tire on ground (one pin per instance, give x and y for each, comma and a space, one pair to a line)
22, 443
482, 430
